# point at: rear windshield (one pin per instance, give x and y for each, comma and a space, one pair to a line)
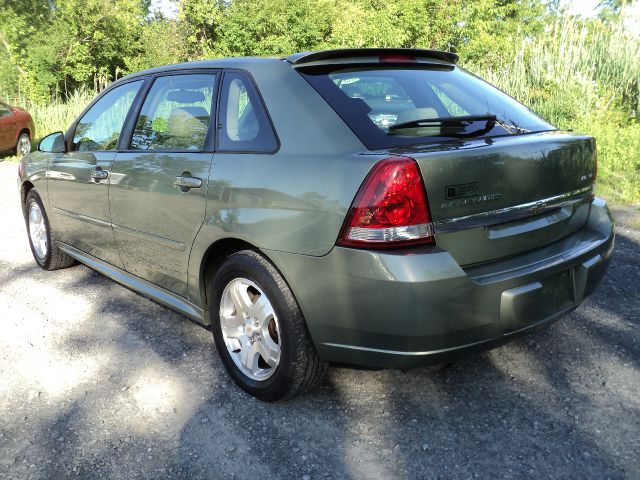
393, 106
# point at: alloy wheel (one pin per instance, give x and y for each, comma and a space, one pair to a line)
38, 230
24, 145
250, 329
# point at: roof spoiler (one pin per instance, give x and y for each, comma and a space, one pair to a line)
370, 55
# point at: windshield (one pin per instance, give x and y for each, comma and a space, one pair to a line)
392, 106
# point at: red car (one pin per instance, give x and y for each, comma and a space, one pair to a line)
16, 130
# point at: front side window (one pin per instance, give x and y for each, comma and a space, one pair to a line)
176, 114
244, 125
99, 129
391, 106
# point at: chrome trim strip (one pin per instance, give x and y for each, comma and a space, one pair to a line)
402, 352
165, 242
137, 284
509, 214
84, 218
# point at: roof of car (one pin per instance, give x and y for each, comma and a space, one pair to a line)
212, 63
306, 58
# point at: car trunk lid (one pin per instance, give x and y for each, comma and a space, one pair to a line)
495, 197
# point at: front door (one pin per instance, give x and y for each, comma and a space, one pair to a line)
7, 127
158, 187
78, 180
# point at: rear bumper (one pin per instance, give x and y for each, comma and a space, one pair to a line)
400, 309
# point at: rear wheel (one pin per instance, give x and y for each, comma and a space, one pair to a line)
259, 330
45, 251
23, 146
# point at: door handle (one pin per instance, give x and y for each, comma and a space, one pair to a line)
186, 182
99, 174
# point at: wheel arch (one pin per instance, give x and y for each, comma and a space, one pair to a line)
26, 130
213, 257
216, 254
25, 188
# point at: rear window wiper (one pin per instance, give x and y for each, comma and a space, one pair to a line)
445, 121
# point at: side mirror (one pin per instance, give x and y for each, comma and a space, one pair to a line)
53, 143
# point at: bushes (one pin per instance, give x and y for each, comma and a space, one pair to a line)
618, 140
584, 77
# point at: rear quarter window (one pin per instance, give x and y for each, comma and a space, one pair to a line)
244, 125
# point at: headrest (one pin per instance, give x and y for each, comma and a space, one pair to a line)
185, 96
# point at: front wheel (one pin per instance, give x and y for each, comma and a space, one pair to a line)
259, 330
41, 240
23, 146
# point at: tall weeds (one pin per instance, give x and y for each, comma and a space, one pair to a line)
587, 79
573, 71
58, 115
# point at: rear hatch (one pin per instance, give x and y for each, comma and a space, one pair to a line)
492, 199
500, 180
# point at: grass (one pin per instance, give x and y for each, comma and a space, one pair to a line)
54, 116
618, 141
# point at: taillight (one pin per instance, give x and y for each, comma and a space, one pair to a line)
390, 209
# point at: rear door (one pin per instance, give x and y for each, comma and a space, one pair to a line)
78, 180
158, 185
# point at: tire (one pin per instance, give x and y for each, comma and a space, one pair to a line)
23, 145
41, 239
298, 368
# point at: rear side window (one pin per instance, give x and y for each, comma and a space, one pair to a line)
99, 129
176, 114
244, 124
402, 105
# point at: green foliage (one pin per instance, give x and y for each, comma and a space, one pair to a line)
160, 42
68, 43
200, 20
278, 27
490, 30
618, 140
273, 27
579, 74
575, 69
403, 23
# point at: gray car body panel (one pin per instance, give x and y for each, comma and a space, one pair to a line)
401, 307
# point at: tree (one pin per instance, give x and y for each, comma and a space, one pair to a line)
200, 21
403, 23
273, 27
58, 46
160, 42
490, 30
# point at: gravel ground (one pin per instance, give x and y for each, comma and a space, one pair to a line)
99, 382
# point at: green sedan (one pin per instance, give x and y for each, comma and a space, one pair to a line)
373, 207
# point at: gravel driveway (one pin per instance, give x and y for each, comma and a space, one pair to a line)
99, 382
